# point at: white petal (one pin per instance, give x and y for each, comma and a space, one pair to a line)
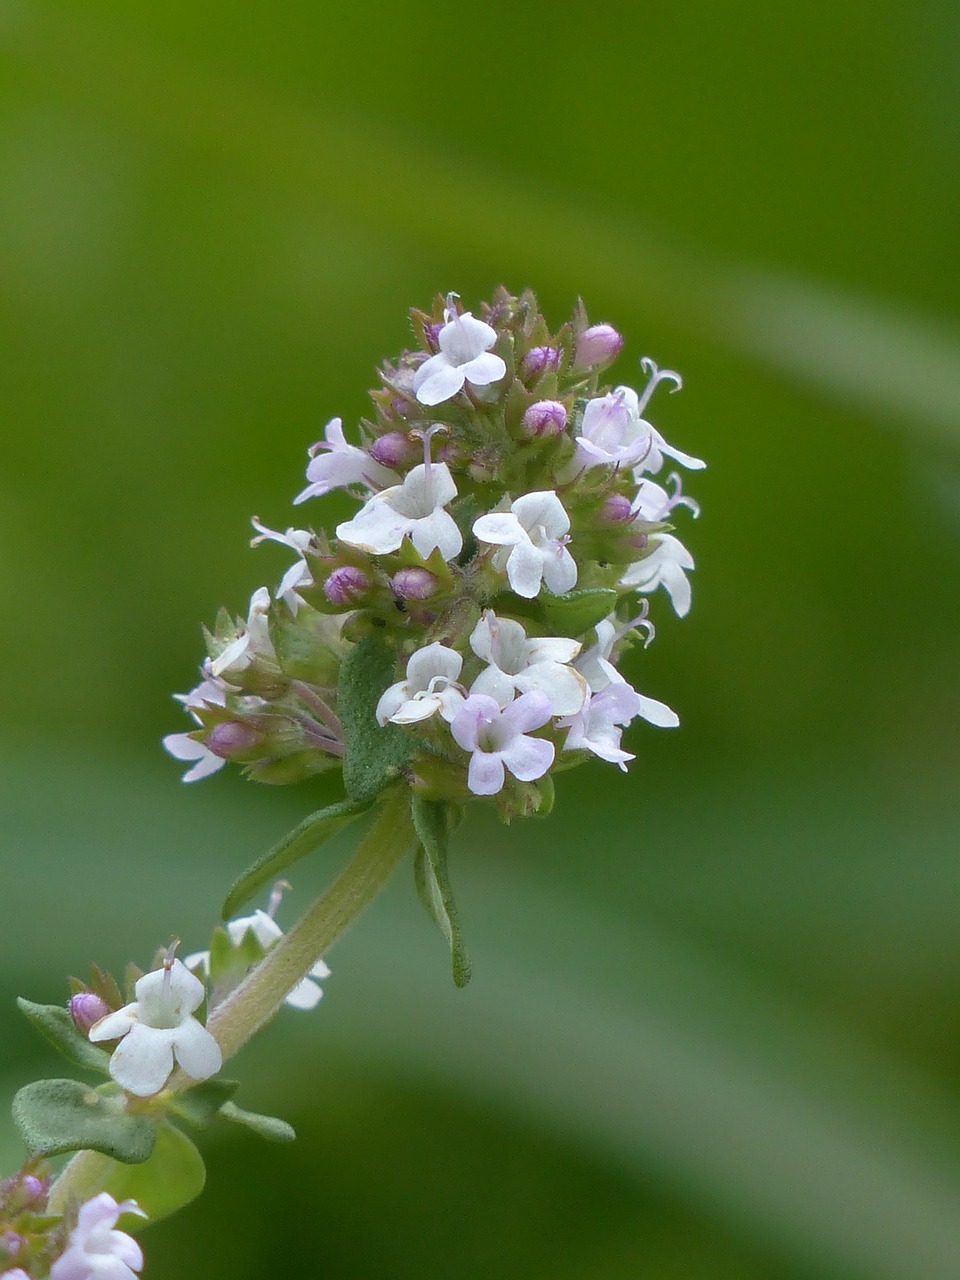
525, 570
376, 528
305, 995
417, 709
430, 661
552, 649
143, 1060
528, 758
196, 1050
484, 370
439, 531
502, 528
495, 684
444, 381
559, 571
114, 1025
566, 688
392, 700
657, 713
542, 508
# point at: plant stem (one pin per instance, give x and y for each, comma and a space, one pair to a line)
263, 991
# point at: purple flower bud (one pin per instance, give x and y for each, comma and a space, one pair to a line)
597, 345
413, 584
616, 509
12, 1244
231, 738
86, 1009
538, 361
545, 418
345, 584
33, 1189
392, 450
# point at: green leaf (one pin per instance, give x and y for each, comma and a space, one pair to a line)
374, 754
172, 1177
201, 1104
54, 1023
296, 844
577, 611
230, 964
433, 822
269, 1127
54, 1116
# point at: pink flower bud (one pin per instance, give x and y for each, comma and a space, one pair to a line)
600, 344
392, 450
346, 584
545, 418
12, 1244
86, 1009
538, 361
413, 584
231, 738
616, 509
33, 1189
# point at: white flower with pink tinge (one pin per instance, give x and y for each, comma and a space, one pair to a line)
335, 463
665, 567
533, 535
464, 356
498, 740
430, 687
96, 1251
598, 727
157, 1028
518, 664
182, 746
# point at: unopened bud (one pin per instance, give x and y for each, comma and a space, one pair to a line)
538, 361
33, 1189
413, 584
600, 344
545, 418
231, 738
346, 584
86, 1009
12, 1244
392, 450
616, 509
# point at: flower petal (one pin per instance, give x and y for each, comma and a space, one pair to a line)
485, 776
559, 571
525, 569
657, 713
528, 758
376, 528
529, 711
495, 684
484, 369
565, 687
502, 528
143, 1060
305, 995
431, 661
196, 1050
443, 382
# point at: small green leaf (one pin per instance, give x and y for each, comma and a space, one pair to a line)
201, 1104
229, 963
296, 844
577, 611
433, 821
269, 1127
54, 1116
172, 1177
54, 1023
374, 754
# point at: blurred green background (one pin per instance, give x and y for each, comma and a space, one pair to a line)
714, 1028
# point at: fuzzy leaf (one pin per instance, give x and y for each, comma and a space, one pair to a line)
577, 611
269, 1127
374, 754
54, 1023
201, 1104
296, 844
172, 1176
432, 820
54, 1116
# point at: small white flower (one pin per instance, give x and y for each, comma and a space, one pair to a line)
306, 994
96, 1251
184, 747
341, 464
430, 686
464, 356
254, 639
415, 507
595, 664
664, 567
519, 664
535, 531
599, 726
652, 502
298, 575
498, 740
157, 1028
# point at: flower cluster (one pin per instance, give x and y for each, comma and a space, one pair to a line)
84, 1245
513, 516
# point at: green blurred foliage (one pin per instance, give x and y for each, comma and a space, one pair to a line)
713, 1028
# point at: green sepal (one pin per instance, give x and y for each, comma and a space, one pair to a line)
201, 1104
54, 1116
374, 754
229, 963
54, 1023
433, 821
296, 844
270, 1127
172, 1176
577, 611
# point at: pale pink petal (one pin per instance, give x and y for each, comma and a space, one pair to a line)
485, 776
529, 711
528, 758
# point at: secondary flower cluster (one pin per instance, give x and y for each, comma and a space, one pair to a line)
84, 1247
513, 517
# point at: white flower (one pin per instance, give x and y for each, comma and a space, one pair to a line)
298, 575
464, 356
341, 464
614, 433
306, 994
252, 640
498, 740
598, 727
652, 502
535, 529
156, 1028
595, 664
95, 1250
664, 567
184, 747
430, 686
415, 507
519, 664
